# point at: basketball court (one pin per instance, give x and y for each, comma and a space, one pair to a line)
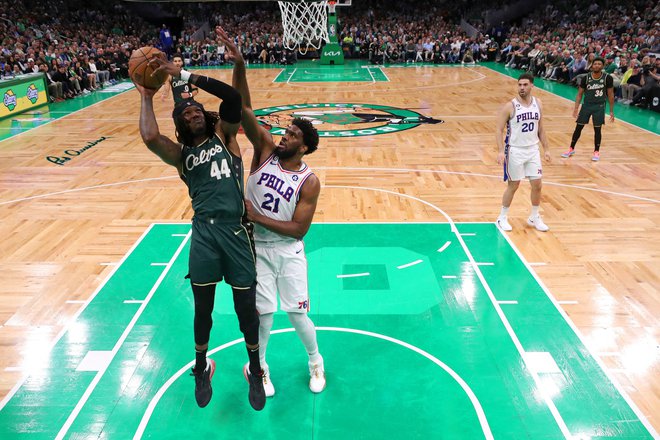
432, 322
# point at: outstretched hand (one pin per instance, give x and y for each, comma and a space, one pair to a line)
162, 65
233, 52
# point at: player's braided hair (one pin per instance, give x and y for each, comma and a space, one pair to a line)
310, 134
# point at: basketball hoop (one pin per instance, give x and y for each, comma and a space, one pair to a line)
305, 23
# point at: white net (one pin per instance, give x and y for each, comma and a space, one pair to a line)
305, 24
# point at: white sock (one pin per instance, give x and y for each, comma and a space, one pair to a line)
504, 212
265, 324
307, 334
535, 211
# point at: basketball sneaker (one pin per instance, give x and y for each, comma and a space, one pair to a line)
596, 156
203, 390
269, 388
316, 376
568, 153
503, 223
537, 222
256, 395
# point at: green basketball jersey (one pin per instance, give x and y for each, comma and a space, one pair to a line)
595, 90
215, 179
179, 87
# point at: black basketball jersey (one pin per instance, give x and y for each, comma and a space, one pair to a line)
180, 89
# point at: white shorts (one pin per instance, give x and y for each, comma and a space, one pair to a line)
282, 268
521, 162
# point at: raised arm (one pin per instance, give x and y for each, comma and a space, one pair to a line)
302, 217
164, 147
502, 117
261, 139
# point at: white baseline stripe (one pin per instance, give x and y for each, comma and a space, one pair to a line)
353, 275
72, 417
466, 388
159, 264
507, 302
133, 301
403, 266
514, 338
600, 363
66, 328
179, 235
468, 234
449, 276
484, 264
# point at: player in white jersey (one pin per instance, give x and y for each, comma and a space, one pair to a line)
282, 193
519, 152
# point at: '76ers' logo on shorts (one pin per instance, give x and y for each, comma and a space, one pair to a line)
302, 305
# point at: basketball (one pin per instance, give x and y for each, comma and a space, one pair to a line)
140, 71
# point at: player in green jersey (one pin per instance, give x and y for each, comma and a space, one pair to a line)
181, 90
208, 160
596, 87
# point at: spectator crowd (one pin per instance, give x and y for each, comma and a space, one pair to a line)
84, 45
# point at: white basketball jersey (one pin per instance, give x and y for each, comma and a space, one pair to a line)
522, 130
274, 192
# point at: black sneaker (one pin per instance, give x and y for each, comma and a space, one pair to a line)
203, 390
256, 395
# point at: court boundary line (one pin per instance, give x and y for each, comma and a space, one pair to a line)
640, 415
569, 100
75, 316
395, 170
481, 415
120, 342
498, 309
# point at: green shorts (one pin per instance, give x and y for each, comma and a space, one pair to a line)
596, 112
221, 249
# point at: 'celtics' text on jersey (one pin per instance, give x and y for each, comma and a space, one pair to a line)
595, 90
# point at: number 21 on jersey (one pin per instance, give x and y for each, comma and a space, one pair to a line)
221, 172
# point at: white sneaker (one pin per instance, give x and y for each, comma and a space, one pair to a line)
269, 388
503, 223
537, 222
316, 377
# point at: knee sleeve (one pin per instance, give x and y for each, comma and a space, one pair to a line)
204, 301
245, 305
306, 331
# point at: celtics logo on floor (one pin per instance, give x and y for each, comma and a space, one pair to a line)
343, 120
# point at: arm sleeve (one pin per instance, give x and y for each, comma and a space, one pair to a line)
230, 109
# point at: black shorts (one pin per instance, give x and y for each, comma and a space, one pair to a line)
221, 249
596, 112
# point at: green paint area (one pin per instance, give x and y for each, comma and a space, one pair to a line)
646, 119
351, 71
413, 348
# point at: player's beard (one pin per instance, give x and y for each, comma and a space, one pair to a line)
285, 153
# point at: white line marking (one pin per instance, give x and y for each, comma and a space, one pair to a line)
384, 74
75, 301
118, 344
370, 169
507, 302
444, 246
159, 264
567, 302
95, 361
629, 401
133, 301
514, 338
179, 235
468, 234
403, 266
483, 421
540, 362
485, 264
108, 264
291, 76
353, 275
448, 277
66, 328
537, 264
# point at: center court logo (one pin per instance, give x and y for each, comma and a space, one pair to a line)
343, 120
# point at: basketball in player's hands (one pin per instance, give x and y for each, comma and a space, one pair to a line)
141, 72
